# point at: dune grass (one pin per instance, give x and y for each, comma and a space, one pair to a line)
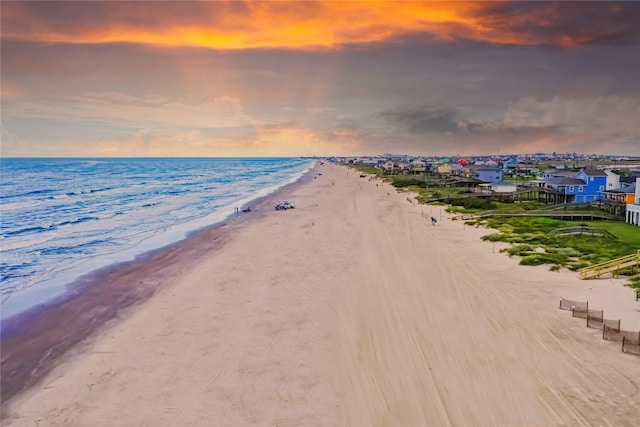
530, 240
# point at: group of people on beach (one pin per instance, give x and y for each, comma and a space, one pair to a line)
237, 210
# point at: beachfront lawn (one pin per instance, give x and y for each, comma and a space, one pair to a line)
627, 233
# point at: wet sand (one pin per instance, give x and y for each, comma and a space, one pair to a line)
351, 309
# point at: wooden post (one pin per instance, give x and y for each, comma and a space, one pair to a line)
587, 318
623, 343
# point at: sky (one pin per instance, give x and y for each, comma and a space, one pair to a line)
318, 78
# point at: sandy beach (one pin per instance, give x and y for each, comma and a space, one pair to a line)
350, 310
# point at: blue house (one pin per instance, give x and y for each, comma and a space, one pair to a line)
595, 185
584, 186
488, 174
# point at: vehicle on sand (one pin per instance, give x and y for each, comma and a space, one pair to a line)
284, 205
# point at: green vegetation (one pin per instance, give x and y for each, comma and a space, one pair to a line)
634, 282
530, 239
426, 188
627, 233
528, 235
370, 170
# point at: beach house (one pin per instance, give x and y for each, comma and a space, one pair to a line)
483, 173
418, 166
444, 168
613, 181
595, 183
499, 186
633, 210
584, 186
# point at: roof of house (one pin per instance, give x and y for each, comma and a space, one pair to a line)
557, 173
594, 172
630, 190
565, 181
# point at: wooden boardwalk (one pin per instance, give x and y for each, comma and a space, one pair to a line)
568, 214
614, 266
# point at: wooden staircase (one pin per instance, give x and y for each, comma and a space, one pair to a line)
614, 266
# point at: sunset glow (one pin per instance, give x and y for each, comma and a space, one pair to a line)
285, 77
289, 25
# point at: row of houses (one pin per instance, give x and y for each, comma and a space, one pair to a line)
445, 166
586, 185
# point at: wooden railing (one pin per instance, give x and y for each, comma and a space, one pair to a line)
613, 266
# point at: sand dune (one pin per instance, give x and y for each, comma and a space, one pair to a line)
351, 310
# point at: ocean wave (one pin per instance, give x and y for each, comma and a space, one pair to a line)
27, 194
79, 220
26, 230
74, 221
9, 245
45, 228
6, 207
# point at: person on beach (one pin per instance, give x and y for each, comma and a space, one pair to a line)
433, 220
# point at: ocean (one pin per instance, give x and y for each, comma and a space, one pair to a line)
62, 218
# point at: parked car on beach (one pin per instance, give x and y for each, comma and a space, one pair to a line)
284, 205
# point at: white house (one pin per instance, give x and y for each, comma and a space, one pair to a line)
613, 180
633, 211
500, 186
418, 166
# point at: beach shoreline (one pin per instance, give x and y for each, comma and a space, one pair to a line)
31, 347
352, 309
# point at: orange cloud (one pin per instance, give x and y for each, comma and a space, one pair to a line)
268, 141
287, 25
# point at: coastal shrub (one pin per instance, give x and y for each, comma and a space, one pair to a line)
554, 267
476, 203
634, 282
521, 250
414, 188
494, 237
505, 228
532, 237
470, 202
540, 259
514, 238
530, 206
568, 252
581, 263
423, 197
401, 182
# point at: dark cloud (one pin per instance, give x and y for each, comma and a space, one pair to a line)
68, 17
567, 23
422, 119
